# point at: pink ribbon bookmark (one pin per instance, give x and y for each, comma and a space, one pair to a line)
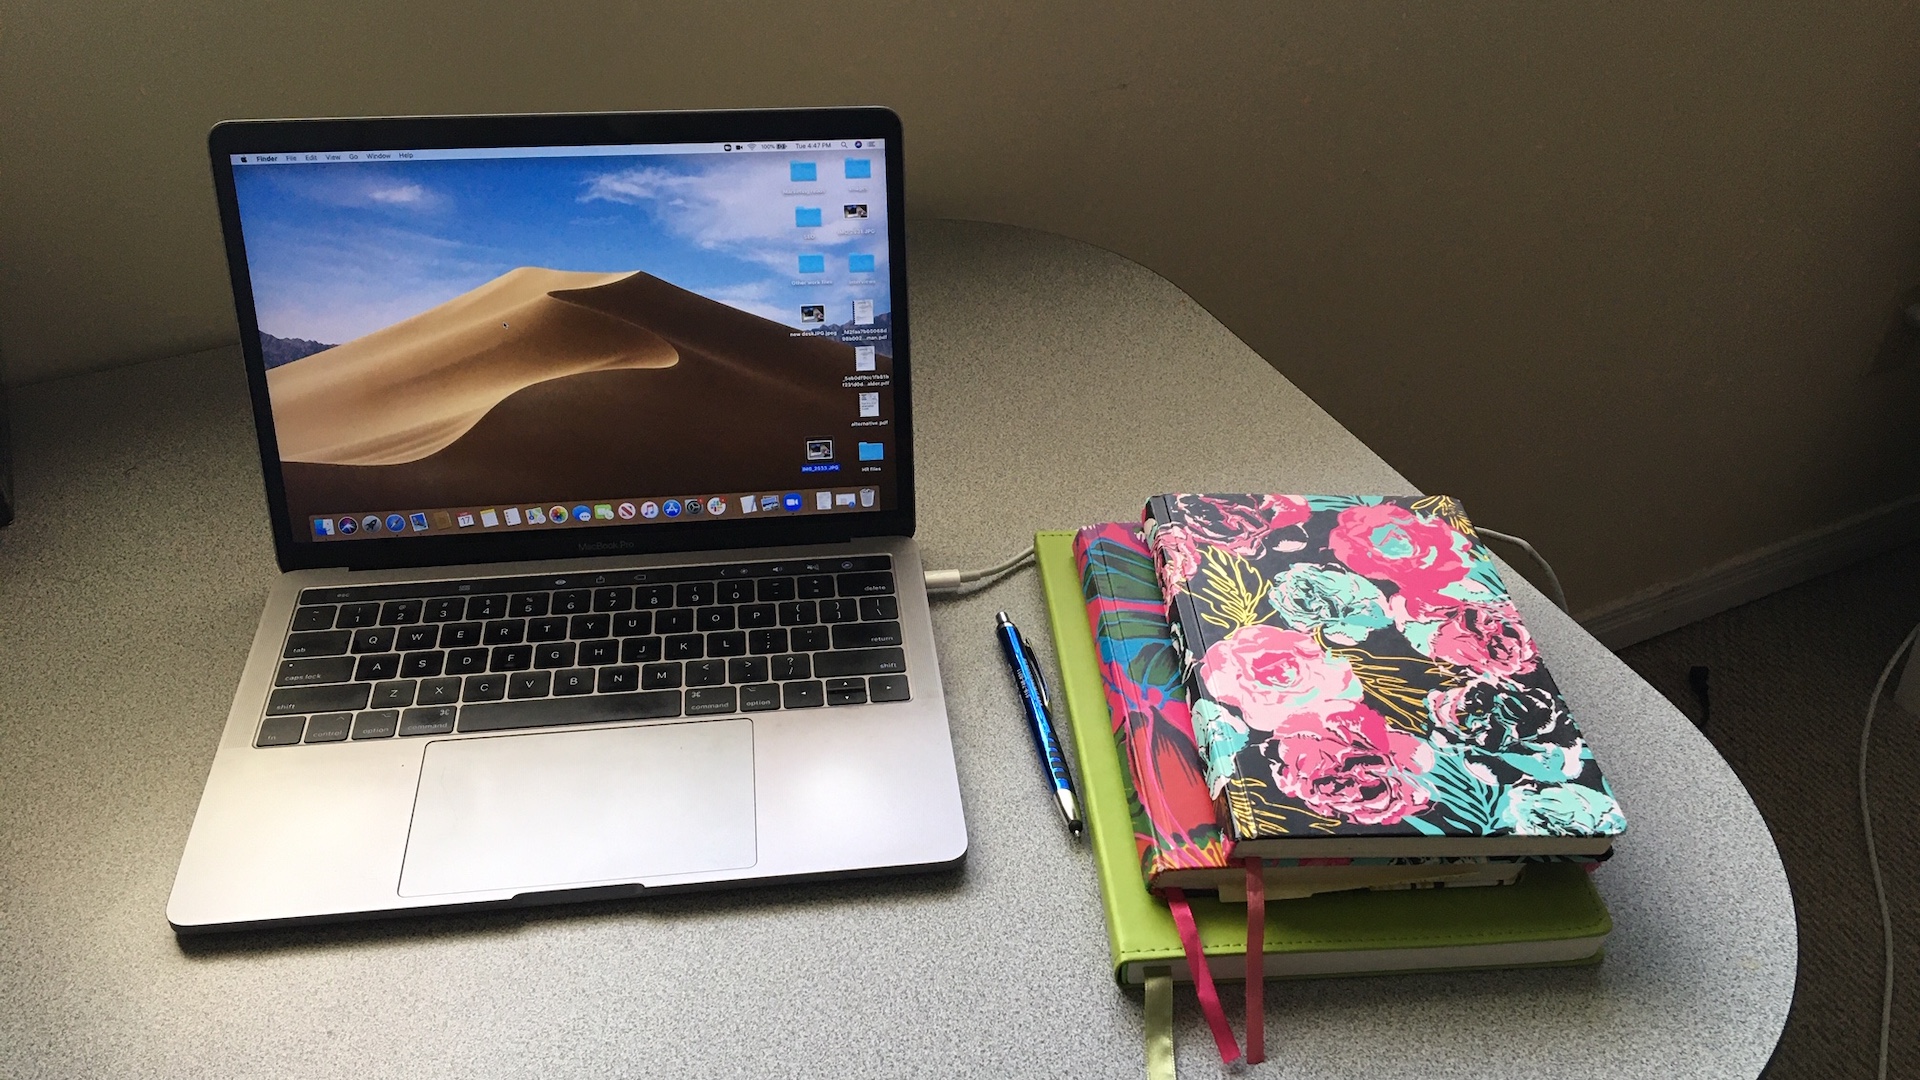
1202, 976
1256, 964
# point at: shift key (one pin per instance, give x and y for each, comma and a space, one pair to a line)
339, 697
828, 665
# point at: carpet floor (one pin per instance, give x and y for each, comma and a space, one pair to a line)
1788, 678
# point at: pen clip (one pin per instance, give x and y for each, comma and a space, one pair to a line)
1039, 677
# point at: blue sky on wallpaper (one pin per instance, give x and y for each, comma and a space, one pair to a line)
339, 250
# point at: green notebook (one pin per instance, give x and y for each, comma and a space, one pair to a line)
1551, 916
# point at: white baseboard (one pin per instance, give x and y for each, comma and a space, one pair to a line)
1747, 577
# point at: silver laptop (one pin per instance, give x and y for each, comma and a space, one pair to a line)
587, 446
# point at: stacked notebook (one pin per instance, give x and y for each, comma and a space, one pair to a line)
1305, 696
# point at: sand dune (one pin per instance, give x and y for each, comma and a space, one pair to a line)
732, 414
409, 390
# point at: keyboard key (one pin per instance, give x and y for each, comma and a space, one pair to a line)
556, 655
653, 596
833, 611
307, 699
323, 643
795, 666
706, 672
888, 688
529, 684
776, 588
331, 669
619, 598
393, 695
443, 609
421, 665
860, 662
329, 727
713, 618
599, 709
589, 626
760, 697
734, 591
815, 587
281, 730
693, 594
747, 669
762, 642
685, 647
799, 613
660, 676
552, 628
640, 650
808, 638
871, 583
466, 661
865, 635
505, 632
460, 635
486, 607
313, 618
378, 724
801, 695
484, 688
676, 621
752, 615
373, 640
619, 679
380, 666
879, 608
572, 602
727, 643
632, 623
354, 616
411, 638
436, 720
603, 651
399, 613
847, 691
511, 658
438, 692
527, 605
573, 681
707, 700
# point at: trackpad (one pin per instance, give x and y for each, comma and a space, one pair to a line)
581, 808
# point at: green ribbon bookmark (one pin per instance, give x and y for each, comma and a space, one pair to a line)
1158, 1024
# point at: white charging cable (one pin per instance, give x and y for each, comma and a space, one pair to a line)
952, 581
1553, 580
1873, 856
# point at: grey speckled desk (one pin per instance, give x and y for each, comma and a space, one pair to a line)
128, 595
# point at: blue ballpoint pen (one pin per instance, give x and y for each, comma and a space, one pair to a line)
1033, 697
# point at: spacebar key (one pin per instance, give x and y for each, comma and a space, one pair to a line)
557, 712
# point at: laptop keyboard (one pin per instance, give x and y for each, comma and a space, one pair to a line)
497, 654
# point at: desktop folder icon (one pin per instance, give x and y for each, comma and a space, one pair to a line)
817, 264
806, 217
872, 451
802, 172
858, 169
859, 264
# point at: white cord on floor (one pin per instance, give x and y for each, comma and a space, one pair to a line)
1873, 856
952, 581
1553, 579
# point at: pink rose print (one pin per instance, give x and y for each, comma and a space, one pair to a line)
1486, 639
1270, 674
1244, 530
1179, 558
1350, 765
1393, 544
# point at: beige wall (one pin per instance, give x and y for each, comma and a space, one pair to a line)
1613, 272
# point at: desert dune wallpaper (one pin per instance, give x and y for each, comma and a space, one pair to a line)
459, 332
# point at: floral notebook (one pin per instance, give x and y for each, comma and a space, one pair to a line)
1358, 673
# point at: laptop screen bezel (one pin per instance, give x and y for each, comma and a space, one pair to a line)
566, 129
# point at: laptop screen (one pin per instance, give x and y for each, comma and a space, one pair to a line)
461, 341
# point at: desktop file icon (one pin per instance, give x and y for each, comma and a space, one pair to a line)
806, 217
802, 172
859, 168
815, 264
858, 264
873, 451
